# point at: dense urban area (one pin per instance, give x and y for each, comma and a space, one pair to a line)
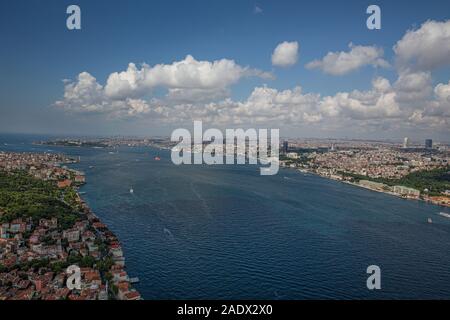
45, 227
409, 169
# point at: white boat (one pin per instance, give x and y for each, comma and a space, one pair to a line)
131, 190
447, 215
134, 280
429, 220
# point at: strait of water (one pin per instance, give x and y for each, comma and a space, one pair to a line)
225, 232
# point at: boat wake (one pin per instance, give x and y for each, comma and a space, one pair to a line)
443, 214
168, 233
202, 200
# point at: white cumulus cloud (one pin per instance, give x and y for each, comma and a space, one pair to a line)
426, 48
340, 63
188, 73
285, 54
201, 90
188, 80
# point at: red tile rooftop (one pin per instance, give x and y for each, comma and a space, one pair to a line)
132, 295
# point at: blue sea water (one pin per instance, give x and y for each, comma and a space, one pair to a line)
225, 232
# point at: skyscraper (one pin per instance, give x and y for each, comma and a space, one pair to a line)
285, 147
405, 142
428, 144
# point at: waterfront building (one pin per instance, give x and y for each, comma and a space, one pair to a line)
80, 179
292, 155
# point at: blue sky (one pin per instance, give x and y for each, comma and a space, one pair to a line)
37, 50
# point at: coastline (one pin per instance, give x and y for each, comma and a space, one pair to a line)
426, 200
37, 247
120, 278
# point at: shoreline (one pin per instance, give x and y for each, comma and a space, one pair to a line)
40, 246
371, 189
114, 247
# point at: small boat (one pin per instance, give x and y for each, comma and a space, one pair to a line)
134, 280
157, 158
131, 190
429, 220
447, 215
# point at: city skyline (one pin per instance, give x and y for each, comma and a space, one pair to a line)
241, 64
228, 157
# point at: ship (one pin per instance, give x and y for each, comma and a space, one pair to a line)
447, 215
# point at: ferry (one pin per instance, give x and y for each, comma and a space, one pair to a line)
447, 215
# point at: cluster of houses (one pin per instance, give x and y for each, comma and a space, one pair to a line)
373, 162
401, 191
21, 242
49, 285
34, 256
45, 166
